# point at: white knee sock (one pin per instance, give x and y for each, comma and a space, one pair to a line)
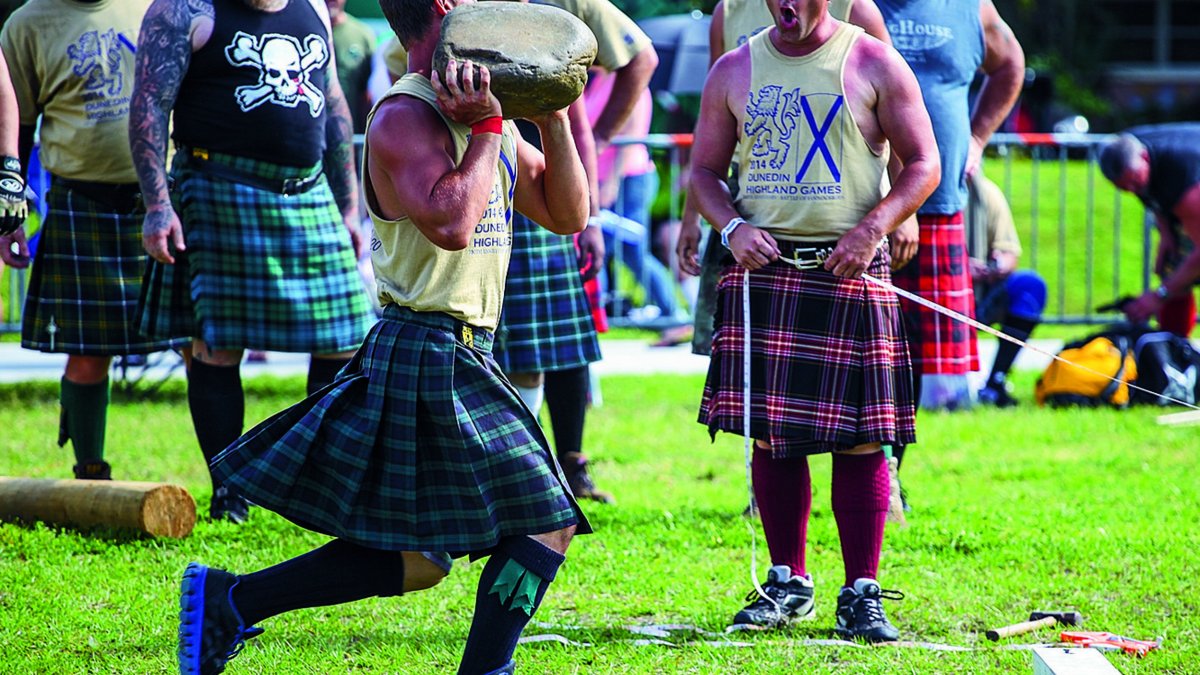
532, 396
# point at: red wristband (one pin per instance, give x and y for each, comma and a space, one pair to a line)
489, 125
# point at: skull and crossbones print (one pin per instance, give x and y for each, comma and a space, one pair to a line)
283, 70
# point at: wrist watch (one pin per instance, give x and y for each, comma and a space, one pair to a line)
1162, 292
728, 230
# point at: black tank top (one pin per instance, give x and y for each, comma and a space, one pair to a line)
257, 88
1174, 165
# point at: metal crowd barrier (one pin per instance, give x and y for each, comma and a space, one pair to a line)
1052, 181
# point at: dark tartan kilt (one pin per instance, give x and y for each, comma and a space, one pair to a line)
829, 362
262, 270
85, 281
938, 344
546, 323
420, 444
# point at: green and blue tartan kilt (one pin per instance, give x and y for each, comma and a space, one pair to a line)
546, 323
420, 444
262, 270
85, 281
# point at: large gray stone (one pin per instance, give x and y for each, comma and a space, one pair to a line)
538, 55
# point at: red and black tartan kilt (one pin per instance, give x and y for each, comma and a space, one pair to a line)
939, 345
829, 362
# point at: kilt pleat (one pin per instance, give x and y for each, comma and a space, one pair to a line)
261, 271
829, 363
85, 281
546, 324
419, 444
938, 344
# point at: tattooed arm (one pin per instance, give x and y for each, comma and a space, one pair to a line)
171, 31
339, 143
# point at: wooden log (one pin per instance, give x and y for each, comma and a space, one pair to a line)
159, 509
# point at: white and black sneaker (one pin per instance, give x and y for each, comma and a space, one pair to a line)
860, 614
790, 598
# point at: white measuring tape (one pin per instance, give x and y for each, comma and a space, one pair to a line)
957, 316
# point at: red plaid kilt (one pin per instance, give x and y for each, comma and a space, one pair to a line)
829, 366
939, 345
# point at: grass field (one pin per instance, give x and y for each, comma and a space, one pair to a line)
1013, 511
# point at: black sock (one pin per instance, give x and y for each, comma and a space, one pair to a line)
566, 397
501, 612
218, 406
333, 574
1007, 352
322, 372
83, 419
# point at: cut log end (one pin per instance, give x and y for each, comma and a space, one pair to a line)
158, 509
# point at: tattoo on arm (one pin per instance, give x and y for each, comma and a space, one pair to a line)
163, 55
339, 145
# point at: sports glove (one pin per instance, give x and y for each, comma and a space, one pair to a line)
13, 204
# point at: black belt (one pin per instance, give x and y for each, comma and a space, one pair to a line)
118, 197
197, 158
808, 255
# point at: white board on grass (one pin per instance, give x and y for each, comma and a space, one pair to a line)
1071, 661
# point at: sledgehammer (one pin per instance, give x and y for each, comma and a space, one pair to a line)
1036, 620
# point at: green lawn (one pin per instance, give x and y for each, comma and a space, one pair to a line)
1012, 511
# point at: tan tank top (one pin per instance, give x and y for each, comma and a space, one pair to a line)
411, 271
807, 173
746, 18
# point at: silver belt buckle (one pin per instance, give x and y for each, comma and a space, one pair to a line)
819, 255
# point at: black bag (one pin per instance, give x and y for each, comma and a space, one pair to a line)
1167, 364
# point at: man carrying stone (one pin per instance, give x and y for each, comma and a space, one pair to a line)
1161, 165
72, 66
257, 250
421, 444
829, 368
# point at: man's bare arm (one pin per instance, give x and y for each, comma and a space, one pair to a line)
171, 31
163, 55
339, 132
716, 34
413, 172
1004, 72
687, 246
905, 123
630, 81
865, 14
552, 188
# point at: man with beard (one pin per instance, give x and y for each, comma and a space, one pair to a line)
829, 370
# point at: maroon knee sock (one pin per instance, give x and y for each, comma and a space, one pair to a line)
784, 494
860, 503
1178, 315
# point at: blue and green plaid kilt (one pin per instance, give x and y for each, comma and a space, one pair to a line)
546, 324
262, 270
829, 365
420, 444
85, 281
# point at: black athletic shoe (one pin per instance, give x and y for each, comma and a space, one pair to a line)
97, 470
860, 614
211, 631
228, 506
791, 599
